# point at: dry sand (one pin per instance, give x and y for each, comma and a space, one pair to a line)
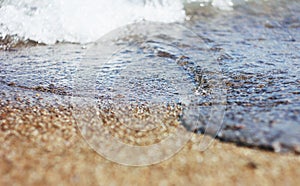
42, 146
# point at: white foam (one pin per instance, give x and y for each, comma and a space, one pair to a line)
84, 21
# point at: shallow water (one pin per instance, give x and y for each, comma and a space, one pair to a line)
246, 59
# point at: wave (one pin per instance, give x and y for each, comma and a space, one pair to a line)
49, 22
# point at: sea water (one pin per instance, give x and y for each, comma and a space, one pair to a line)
253, 44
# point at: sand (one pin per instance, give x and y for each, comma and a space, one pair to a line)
42, 146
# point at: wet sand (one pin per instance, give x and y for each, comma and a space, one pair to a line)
42, 146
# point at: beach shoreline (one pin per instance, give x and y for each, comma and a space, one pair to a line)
236, 70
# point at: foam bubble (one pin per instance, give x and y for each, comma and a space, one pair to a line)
80, 21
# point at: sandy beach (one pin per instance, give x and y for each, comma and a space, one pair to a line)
42, 146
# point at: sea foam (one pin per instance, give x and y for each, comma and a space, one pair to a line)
85, 21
